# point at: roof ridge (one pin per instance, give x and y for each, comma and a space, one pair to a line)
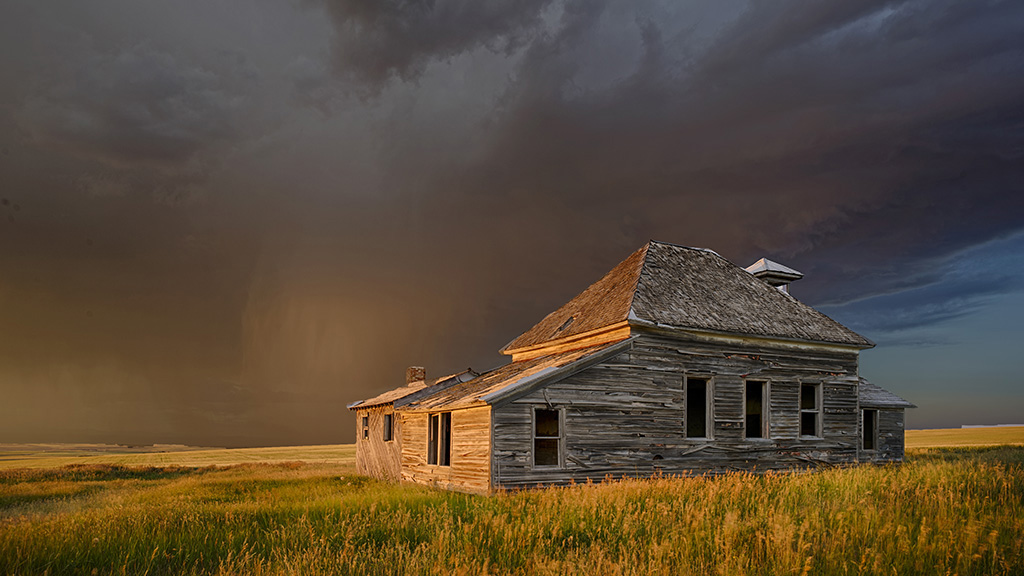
636, 285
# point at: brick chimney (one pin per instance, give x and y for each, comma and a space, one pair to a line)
415, 374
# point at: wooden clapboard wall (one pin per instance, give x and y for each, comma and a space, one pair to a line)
625, 416
889, 439
375, 456
470, 468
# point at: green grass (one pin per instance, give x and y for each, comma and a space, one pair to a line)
946, 511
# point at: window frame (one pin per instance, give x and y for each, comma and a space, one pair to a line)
439, 439
864, 431
389, 427
819, 393
765, 431
560, 438
709, 406
366, 426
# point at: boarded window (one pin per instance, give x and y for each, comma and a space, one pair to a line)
755, 409
547, 436
388, 425
869, 429
366, 427
810, 411
697, 416
439, 439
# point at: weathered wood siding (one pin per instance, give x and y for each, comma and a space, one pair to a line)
890, 439
625, 416
374, 456
470, 469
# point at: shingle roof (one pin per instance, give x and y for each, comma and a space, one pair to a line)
688, 288
514, 377
872, 396
411, 388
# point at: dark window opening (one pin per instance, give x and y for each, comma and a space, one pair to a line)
755, 409
810, 421
366, 427
870, 429
388, 424
439, 439
546, 438
696, 408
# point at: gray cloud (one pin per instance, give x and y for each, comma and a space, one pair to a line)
378, 40
142, 107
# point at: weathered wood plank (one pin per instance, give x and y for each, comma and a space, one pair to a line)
625, 417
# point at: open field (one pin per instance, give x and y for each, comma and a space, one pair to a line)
958, 511
943, 438
57, 455
946, 511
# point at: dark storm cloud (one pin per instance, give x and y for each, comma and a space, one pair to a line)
140, 106
952, 287
851, 139
415, 182
378, 40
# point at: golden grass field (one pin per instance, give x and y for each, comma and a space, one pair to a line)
947, 510
958, 437
57, 455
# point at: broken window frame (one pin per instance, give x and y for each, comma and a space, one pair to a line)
389, 427
869, 432
366, 426
558, 438
816, 410
764, 425
689, 411
439, 439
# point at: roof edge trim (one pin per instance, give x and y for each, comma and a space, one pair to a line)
646, 324
528, 352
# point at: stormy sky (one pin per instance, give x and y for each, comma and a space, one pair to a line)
222, 221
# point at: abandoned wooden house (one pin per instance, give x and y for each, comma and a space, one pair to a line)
675, 362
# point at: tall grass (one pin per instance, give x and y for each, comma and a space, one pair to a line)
944, 512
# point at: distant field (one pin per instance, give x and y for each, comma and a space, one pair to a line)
956, 437
57, 455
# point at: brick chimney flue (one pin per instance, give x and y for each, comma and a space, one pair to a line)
415, 374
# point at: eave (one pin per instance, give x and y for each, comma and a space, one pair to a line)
604, 335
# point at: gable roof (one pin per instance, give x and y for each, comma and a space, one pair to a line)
515, 378
675, 286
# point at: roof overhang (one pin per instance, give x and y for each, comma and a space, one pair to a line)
740, 338
610, 333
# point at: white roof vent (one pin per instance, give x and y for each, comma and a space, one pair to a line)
774, 273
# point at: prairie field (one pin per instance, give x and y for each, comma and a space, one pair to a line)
951, 510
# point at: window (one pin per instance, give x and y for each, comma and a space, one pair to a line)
547, 437
388, 424
439, 439
698, 408
869, 429
756, 409
366, 427
810, 411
